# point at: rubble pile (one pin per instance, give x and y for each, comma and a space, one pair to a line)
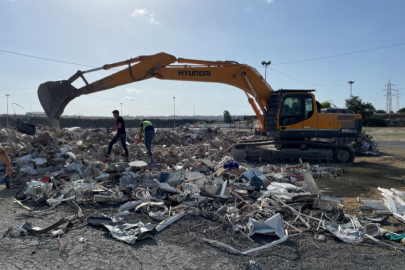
185, 136
189, 175
81, 153
363, 145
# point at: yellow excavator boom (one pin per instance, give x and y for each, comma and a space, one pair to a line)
55, 96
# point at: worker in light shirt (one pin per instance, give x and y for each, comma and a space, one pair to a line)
148, 132
6, 160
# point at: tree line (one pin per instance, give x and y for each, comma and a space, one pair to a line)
356, 105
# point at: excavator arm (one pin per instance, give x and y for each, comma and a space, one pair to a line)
55, 96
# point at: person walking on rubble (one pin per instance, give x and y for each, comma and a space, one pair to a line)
121, 134
148, 132
6, 160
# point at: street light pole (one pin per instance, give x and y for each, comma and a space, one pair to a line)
350, 82
174, 111
265, 64
7, 95
121, 108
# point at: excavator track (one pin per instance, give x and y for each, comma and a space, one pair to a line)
275, 150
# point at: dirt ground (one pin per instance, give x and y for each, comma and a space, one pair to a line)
181, 246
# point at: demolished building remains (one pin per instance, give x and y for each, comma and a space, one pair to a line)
191, 173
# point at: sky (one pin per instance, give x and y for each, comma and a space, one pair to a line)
98, 32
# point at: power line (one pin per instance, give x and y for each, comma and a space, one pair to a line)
117, 99
67, 108
106, 98
24, 100
47, 59
340, 54
11, 89
305, 81
282, 63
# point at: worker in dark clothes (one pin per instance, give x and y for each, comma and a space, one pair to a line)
121, 134
149, 132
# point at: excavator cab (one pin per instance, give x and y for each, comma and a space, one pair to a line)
295, 114
296, 108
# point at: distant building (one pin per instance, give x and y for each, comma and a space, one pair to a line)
31, 114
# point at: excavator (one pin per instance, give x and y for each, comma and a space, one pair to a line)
290, 119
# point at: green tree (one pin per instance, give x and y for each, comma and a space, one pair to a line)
227, 117
325, 105
401, 110
356, 105
380, 111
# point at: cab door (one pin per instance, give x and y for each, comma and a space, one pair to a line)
310, 116
291, 116
298, 116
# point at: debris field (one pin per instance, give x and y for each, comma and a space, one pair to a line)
190, 174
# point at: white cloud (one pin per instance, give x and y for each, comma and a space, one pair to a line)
9, 0
133, 90
129, 98
249, 9
144, 13
268, 1
139, 12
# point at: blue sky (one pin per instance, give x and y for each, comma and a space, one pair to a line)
98, 32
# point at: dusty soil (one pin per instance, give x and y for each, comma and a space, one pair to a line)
181, 246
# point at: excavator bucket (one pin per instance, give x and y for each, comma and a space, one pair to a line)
54, 97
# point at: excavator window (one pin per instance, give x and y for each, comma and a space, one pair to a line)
296, 108
309, 107
291, 112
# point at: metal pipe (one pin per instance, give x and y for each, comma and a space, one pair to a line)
92, 70
7, 108
174, 111
203, 62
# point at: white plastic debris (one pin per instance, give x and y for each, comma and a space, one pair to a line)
39, 161
29, 170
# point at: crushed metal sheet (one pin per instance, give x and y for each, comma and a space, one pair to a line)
351, 236
132, 231
272, 225
167, 222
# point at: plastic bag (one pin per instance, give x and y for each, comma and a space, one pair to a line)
23, 127
26, 128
